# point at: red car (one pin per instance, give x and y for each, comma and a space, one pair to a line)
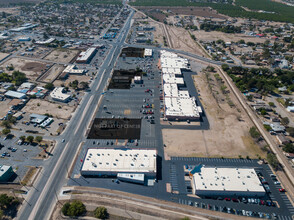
282, 190
227, 199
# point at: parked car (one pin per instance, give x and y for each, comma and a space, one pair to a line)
282, 190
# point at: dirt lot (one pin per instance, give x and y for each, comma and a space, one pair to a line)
215, 35
160, 13
62, 55
13, 10
3, 55
229, 125
38, 52
42, 107
181, 39
32, 69
72, 78
4, 107
52, 73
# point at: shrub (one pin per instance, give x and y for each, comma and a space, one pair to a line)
101, 212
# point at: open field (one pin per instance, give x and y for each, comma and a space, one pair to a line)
62, 55
42, 107
10, 10
32, 69
4, 107
181, 39
3, 55
72, 78
216, 35
52, 73
38, 52
160, 13
227, 119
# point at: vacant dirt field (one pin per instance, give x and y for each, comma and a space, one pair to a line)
72, 78
62, 55
52, 73
3, 55
4, 107
160, 13
181, 39
32, 69
215, 35
229, 125
12, 10
42, 107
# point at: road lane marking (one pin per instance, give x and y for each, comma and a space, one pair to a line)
83, 115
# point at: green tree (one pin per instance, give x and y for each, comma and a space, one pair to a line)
6, 131
5, 201
273, 161
290, 130
285, 121
39, 139
225, 67
76, 208
84, 85
185, 218
271, 104
65, 208
101, 212
49, 86
30, 139
263, 112
267, 127
254, 133
6, 124
289, 148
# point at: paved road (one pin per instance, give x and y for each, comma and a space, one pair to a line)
55, 170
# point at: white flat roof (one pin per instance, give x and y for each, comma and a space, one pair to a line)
172, 60
147, 52
170, 90
48, 41
170, 70
57, 93
181, 107
14, 94
72, 69
132, 176
171, 78
227, 179
120, 160
84, 56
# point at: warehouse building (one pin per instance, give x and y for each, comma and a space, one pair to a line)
36, 118
58, 95
229, 182
178, 103
5, 173
132, 165
74, 70
15, 95
48, 41
182, 109
86, 56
